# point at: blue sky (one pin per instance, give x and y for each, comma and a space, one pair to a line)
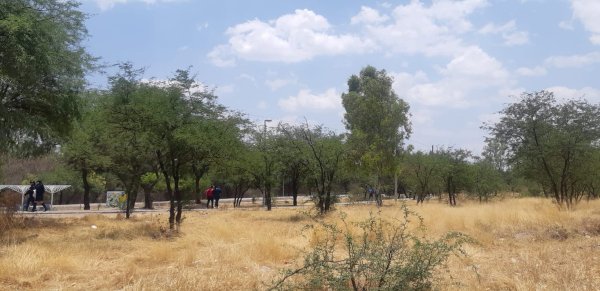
457, 63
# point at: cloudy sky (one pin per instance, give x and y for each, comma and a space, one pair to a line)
457, 63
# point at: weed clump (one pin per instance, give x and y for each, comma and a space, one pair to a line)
374, 254
9, 219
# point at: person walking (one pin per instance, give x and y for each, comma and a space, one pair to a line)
217, 195
30, 197
209, 197
39, 195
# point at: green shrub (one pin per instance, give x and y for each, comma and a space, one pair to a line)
374, 254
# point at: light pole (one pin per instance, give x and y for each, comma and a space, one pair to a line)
265, 181
265, 126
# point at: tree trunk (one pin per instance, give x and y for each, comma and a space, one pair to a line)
86, 189
178, 198
197, 192
295, 187
148, 198
268, 199
169, 190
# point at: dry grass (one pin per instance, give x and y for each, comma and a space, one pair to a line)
524, 244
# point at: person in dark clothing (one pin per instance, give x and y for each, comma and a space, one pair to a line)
39, 195
209, 196
217, 195
30, 197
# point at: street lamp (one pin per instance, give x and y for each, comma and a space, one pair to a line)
265, 125
264, 136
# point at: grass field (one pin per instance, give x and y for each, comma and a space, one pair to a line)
523, 244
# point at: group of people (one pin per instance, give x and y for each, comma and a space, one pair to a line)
35, 194
213, 194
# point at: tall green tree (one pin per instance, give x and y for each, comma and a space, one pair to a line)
549, 141
487, 179
129, 145
190, 132
454, 171
264, 157
326, 152
236, 172
291, 151
423, 172
42, 67
86, 151
377, 120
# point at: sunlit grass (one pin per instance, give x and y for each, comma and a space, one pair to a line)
524, 244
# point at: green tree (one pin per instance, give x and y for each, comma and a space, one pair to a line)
325, 150
237, 173
377, 120
214, 140
454, 171
129, 145
549, 141
148, 182
42, 67
263, 156
590, 170
487, 179
86, 151
290, 151
422, 171
190, 132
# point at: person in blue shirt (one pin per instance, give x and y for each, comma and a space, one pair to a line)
217, 195
30, 197
39, 195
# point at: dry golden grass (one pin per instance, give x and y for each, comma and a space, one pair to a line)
524, 244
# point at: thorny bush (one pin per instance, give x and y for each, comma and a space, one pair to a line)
374, 254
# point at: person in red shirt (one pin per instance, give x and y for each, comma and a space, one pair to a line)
209, 197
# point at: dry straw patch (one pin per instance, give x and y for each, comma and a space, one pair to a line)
524, 244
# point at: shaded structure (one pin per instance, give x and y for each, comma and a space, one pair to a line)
21, 189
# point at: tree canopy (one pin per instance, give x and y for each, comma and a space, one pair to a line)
42, 69
377, 121
550, 141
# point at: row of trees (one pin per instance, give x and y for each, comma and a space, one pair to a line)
148, 134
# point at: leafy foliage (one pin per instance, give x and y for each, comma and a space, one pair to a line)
374, 254
42, 68
377, 120
549, 141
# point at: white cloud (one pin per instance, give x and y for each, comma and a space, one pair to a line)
249, 78
432, 30
422, 116
202, 26
306, 100
562, 93
566, 25
573, 61
108, 4
415, 28
532, 72
262, 105
276, 84
368, 15
489, 118
471, 77
588, 13
509, 32
225, 89
516, 38
290, 38
220, 56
